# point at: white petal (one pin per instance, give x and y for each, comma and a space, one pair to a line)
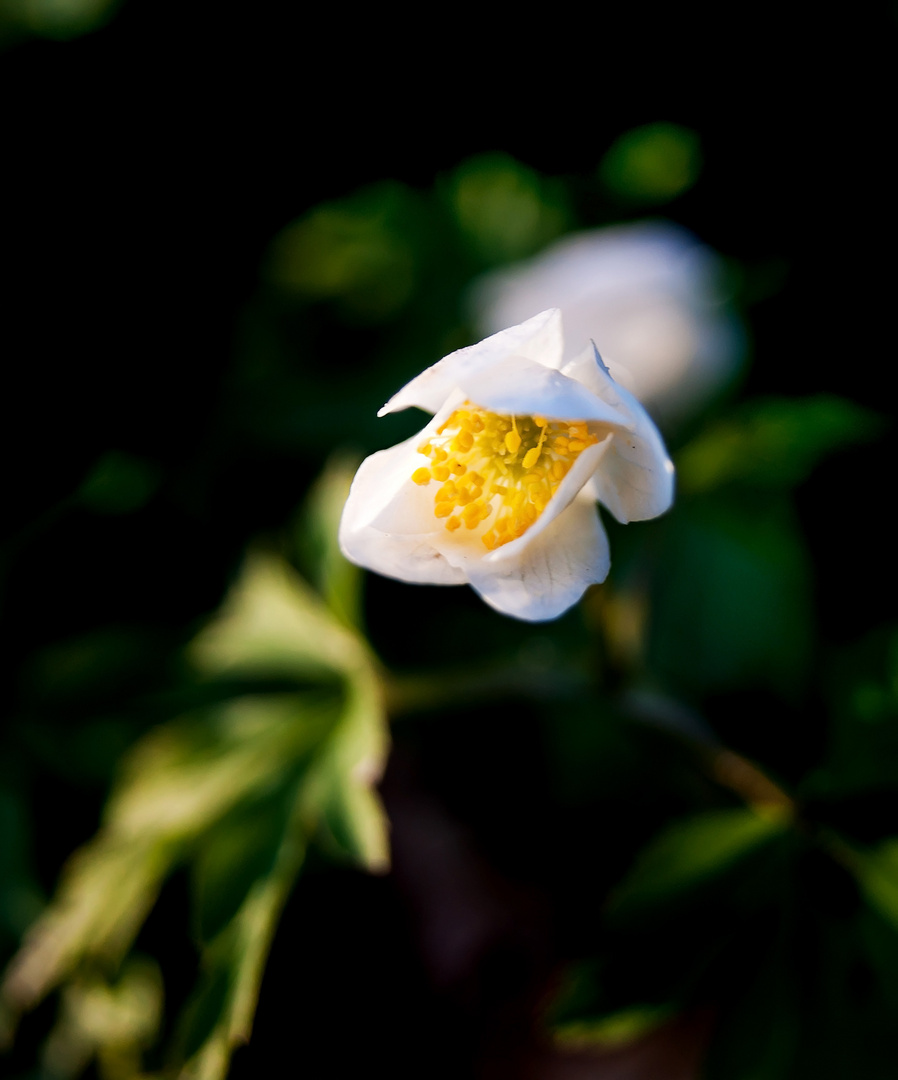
538, 339
554, 570
407, 556
518, 386
636, 477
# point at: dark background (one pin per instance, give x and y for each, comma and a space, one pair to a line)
146, 168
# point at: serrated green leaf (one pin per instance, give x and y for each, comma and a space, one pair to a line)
273, 625
234, 790
221, 1014
116, 1020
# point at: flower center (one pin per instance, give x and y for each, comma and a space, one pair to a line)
509, 466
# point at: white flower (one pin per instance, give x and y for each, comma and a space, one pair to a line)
500, 489
648, 294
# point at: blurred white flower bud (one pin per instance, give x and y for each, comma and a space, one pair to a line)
649, 295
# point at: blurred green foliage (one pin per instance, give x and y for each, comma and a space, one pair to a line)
653, 163
60, 20
283, 752
504, 210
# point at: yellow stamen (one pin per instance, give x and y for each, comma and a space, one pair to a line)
531, 457
506, 468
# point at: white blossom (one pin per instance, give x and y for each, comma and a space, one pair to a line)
499, 490
648, 294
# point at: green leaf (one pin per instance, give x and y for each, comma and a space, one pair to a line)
235, 791
740, 570
773, 442
652, 163
273, 625
220, 1016
879, 940
617, 1029
877, 874
361, 252
695, 850
119, 483
504, 209
862, 755
336, 579
239, 851
758, 1036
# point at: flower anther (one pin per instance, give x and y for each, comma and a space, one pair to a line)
508, 464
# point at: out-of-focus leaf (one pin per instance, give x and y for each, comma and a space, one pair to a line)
359, 251
240, 850
274, 625
20, 898
183, 777
758, 1038
637, 1045
740, 570
614, 1030
879, 939
104, 896
652, 163
90, 665
116, 1021
862, 756
119, 483
691, 852
773, 442
235, 790
805, 1007
504, 209
177, 784
876, 871
336, 579
221, 1014
59, 20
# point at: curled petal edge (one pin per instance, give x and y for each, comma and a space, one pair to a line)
636, 480
538, 339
